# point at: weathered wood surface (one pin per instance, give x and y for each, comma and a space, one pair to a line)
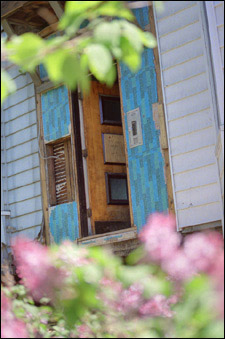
95, 160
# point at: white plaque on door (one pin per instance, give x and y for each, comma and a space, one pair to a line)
134, 128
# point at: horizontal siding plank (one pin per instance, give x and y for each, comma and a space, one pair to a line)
13, 71
182, 54
25, 192
27, 220
186, 106
23, 150
21, 122
195, 159
194, 178
186, 17
22, 165
26, 207
186, 88
190, 123
171, 7
31, 233
22, 136
193, 141
180, 37
20, 109
19, 96
22, 81
24, 178
197, 196
199, 215
219, 14
184, 71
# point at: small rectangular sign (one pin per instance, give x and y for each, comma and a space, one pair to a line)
134, 128
113, 149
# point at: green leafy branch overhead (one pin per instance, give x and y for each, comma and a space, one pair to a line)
110, 34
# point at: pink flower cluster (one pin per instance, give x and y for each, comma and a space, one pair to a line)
84, 331
10, 326
34, 266
158, 306
199, 253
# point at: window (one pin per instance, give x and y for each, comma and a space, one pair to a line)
60, 172
116, 188
110, 110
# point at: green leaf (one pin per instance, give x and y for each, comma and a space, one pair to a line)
24, 50
111, 76
70, 71
132, 34
99, 60
54, 62
130, 56
108, 33
116, 9
148, 39
8, 86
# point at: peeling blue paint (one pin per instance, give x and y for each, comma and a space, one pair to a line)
55, 113
146, 163
63, 220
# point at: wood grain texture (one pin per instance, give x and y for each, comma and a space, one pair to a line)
44, 183
95, 160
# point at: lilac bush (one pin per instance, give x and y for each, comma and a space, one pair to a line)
169, 287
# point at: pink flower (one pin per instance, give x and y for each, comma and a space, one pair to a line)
158, 306
34, 266
179, 267
10, 326
130, 298
160, 237
14, 329
202, 250
84, 331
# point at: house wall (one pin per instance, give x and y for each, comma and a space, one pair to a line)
145, 162
190, 112
20, 160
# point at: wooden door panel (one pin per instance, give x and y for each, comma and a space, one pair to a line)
93, 130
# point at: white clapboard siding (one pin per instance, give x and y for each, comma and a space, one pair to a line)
190, 123
181, 54
187, 106
178, 73
25, 178
24, 192
33, 204
20, 109
190, 119
27, 220
182, 18
22, 150
23, 121
23, 135
197, 177
30, 233
22, 172
21, 165
19, 96
192, 141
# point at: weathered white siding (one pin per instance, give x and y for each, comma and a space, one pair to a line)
215, 16
21, 175
190, 113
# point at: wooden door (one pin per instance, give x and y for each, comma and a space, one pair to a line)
106, 165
